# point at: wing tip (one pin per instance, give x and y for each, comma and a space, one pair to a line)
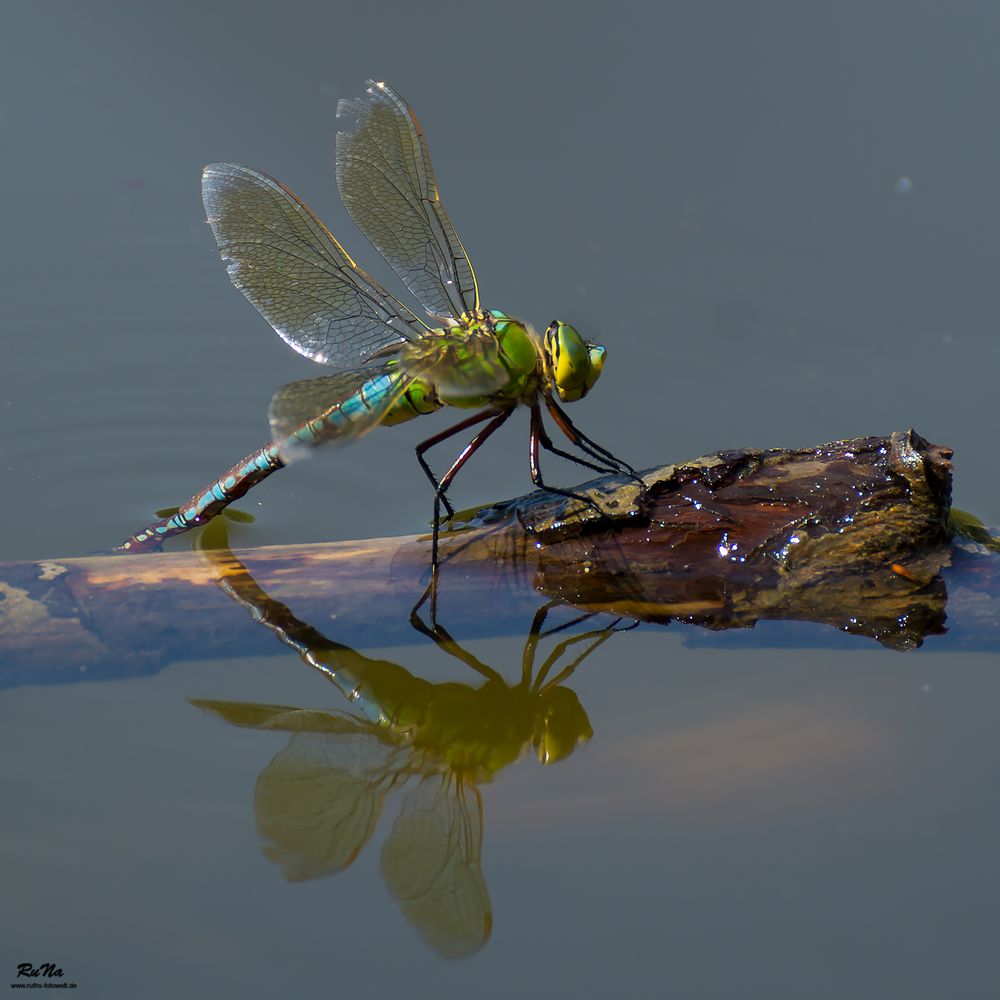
358, 108
219, 167
214, 177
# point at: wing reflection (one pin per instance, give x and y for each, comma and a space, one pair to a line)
430, 864
320, 798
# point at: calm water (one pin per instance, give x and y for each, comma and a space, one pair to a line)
780, 221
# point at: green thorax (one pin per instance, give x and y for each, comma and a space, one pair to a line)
488, 359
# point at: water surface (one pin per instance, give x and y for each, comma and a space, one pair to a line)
780, 221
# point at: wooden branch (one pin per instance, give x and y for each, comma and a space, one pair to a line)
853, 534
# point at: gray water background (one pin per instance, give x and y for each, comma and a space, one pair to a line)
781, 220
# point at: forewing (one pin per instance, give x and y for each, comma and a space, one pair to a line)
285, 718
299, 278
333, 410
431, 865
386, 181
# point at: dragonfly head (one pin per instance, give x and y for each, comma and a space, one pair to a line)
561, 724
574, 364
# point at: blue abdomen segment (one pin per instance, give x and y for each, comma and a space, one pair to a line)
346, 419
206, 503
342, 421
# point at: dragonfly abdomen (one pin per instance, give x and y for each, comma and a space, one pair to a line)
394, 394
388, 398
206, 503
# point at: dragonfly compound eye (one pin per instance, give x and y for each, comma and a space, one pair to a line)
576, 365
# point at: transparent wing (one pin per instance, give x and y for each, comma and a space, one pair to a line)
319, 799
333, 410
386, 181
431, 865
299, 278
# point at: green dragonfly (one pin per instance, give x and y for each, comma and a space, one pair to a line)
392, 366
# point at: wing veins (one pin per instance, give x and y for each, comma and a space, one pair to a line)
386, 145
290, 274
360, 293
343, 269
432, 252
297, 275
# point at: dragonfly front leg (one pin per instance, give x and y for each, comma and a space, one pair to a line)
584, 443
443, 436
546, 442
463, 456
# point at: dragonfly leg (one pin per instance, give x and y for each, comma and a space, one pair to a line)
546, 442
446, 643
597, 637
443, 436
593, 449
538, 436
463, 456
584, 443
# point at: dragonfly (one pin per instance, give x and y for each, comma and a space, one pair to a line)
390, 364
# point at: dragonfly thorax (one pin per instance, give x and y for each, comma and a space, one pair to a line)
487, 358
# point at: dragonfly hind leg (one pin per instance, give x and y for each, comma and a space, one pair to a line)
441, 486
443, 436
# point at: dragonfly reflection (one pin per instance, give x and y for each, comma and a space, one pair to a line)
319, 799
